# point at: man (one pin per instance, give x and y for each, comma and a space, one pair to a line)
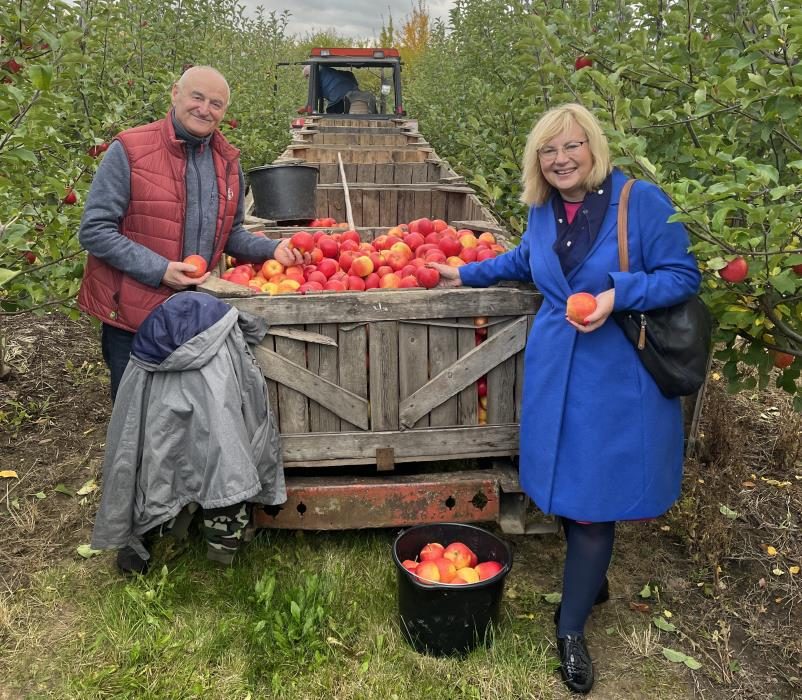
164, 191
334, 86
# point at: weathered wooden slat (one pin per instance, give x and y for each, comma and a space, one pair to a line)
383, 353
468, 397
403, 173
455, 206
398, 304
294, 416
419, 172
413, 361
388, 207
501, 383
423, 204
438, 206
333, 450
370, 206
406, 206
443, 352
305, 336
353, 361
269, 343
465, 371
322, 360
295, 377
384, 173
365, 173
414, 186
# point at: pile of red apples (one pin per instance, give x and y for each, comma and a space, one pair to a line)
341, 261
454, 564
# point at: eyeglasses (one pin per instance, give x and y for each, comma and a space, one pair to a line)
549, 153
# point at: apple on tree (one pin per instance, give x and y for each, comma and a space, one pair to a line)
735, 271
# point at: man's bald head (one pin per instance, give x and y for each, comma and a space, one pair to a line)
200, 99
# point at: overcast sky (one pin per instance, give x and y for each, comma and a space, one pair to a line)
348, 18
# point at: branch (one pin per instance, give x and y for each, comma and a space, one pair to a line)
789, 332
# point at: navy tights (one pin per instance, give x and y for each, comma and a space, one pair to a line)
590, 548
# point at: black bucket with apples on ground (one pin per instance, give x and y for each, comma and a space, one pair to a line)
444, 619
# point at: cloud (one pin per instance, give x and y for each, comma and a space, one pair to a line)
358, 19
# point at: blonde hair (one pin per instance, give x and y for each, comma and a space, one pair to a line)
556, 121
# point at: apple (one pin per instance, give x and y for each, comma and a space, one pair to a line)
735, 271
97, 149
433, 550
425, 226
439, 225
460, 554
797, 269
413, 240
246, 270
361, 266
579, 306
447, 569
428, 277
781, 360
486, 237
409, 564
70, 197
408, 282
450, 246
200, 265
428, 572
582, 62
466, 575
352, 235
328, 246
333, 285
390, 281
12, 66
233, 123
29, 256
487, 569
328, 266
356, 284
468, 254
271, 267
303, 241
372, 281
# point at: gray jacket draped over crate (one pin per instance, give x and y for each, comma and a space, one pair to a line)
191, 422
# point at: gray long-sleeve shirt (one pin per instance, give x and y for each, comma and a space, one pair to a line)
107, 204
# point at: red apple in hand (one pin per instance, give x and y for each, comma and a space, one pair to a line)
302, 241
200, 266
735, 271
579, 306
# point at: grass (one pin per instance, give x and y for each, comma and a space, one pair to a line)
300, 615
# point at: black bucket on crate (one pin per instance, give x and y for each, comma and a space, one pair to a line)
284, 192
448, 619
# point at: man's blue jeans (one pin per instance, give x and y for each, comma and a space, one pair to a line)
116, 345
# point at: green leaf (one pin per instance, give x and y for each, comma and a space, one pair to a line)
553, 598
7, 275
662, 624
646, 591
729, 88
728, 512
61, 488
692, 663
41, 76
22, 154
674, 656
86, 551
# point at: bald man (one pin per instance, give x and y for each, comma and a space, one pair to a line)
164, 191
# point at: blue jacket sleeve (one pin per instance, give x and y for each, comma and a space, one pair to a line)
670, 274
106, 205
242, 244
512, 265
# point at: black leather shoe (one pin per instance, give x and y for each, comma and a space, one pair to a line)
129, 562
576, 666
601, 597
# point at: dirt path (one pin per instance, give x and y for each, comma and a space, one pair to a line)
707, 572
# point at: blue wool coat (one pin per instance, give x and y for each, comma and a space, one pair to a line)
599, 442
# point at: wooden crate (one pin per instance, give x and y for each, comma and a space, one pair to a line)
390, 376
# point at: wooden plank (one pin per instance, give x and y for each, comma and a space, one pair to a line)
501, 381
388, 208
329, 173
455, 206
357, 207
465, 371
413, 361
468, 398
370, 207
406, 206
419, 172
381, 305
443, 352
403, 173
269, 343
383, 353
295, 378
294, 415
338, 449
352, 340
384, 173
438, 206
365, 173
423, 204
322, 361
336, 206
322, 199
519, 372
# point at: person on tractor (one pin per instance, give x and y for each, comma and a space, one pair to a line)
334, 86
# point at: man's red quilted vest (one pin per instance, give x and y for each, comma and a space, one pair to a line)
155, 218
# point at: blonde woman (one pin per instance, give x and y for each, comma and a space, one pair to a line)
599, 442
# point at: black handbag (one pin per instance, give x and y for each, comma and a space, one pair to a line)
673, 342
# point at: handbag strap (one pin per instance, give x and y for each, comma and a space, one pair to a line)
623, 209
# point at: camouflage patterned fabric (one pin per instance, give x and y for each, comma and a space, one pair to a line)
224, 529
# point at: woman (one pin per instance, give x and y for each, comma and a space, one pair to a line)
599, 442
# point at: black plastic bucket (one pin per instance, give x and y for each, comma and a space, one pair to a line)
449, 619
284, 192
